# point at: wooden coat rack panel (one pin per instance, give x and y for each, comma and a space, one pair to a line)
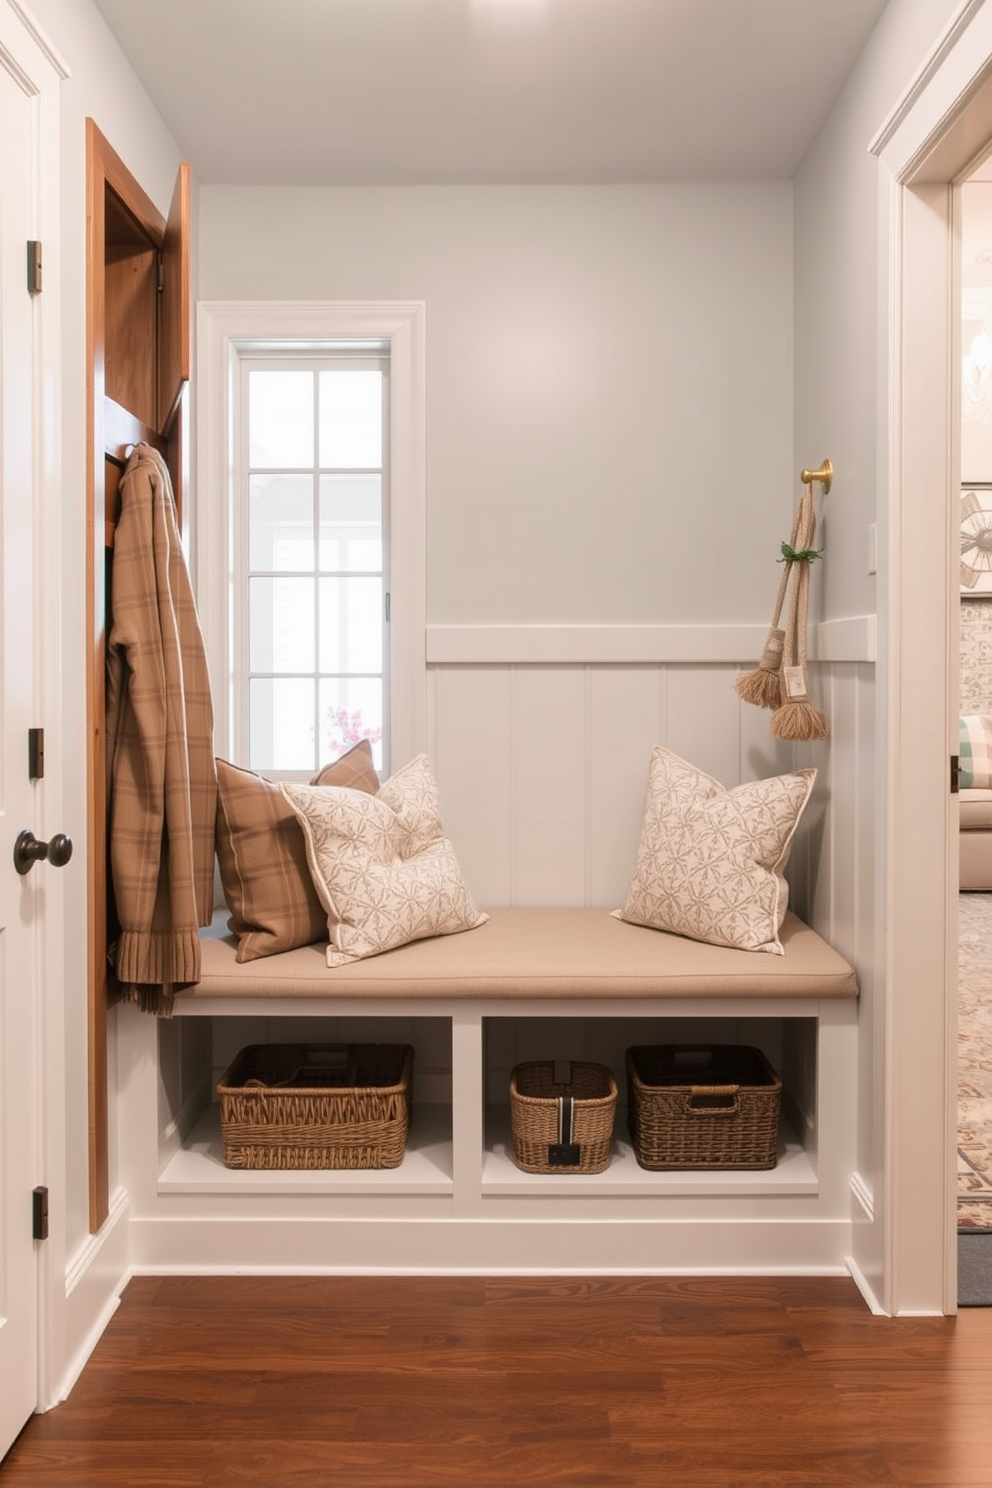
137, 375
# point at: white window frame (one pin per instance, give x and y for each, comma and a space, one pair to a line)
312, 359
227, 330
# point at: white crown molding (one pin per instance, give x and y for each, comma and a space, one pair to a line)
927, 70
31, 26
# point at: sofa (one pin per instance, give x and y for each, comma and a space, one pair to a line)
975, 788
975, 840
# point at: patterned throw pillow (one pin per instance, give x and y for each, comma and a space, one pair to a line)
262, 856
382, 866
975, 753
710, 860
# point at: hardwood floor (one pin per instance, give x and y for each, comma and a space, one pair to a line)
492, 1383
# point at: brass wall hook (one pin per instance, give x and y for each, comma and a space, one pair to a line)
824, 475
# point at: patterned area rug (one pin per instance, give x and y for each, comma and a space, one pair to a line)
975, 1063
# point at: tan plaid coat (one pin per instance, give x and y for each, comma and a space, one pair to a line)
162, 783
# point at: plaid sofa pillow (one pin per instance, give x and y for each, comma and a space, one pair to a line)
975, 753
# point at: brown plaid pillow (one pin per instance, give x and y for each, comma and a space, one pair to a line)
262, 856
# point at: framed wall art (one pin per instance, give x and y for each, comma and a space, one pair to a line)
976, 538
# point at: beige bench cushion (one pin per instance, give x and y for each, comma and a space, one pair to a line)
550, 953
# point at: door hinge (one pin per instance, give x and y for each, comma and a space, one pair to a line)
36, 754
160, 274
39, 1213
388, 608
955, 774
34, 266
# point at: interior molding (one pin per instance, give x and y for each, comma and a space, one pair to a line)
861, 1282
863, 1197
852, 639
39, 38
941, 126
927, 70
94, 1281
24, 81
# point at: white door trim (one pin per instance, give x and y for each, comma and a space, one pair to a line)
928, 143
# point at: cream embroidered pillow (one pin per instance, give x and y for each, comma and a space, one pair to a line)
710, 861
383, 869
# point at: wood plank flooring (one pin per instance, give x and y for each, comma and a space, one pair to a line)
471, 1382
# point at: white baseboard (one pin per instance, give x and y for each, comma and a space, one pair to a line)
453, 1247
94, 1280
862, 1284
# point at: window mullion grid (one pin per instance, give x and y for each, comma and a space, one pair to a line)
242, 544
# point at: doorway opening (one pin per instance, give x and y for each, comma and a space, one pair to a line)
973, 1198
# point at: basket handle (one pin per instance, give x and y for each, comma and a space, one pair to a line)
326, 1058
566, 1152
711, 1100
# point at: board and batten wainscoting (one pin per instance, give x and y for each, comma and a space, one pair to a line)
541, 737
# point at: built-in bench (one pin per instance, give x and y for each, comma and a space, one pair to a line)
541, 953
528, 984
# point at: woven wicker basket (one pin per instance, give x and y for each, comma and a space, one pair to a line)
562, 1114
703, 1106
317, 1106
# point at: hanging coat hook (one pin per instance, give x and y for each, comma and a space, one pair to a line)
824, 475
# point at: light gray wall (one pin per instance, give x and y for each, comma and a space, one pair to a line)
102, 86
609, 380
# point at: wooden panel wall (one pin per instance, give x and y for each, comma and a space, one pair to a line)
542, 771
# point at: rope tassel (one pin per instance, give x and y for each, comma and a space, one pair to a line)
781, 681
763, 687
796, 717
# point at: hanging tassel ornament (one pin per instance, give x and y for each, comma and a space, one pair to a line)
763, 687
796, 717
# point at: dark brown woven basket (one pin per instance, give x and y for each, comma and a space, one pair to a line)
317, 1106
539, 1102
702, 1106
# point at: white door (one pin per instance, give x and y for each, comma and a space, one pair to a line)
26, 899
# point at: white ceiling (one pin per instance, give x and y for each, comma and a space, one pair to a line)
485, 91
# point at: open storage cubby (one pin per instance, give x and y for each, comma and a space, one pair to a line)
789, 1044
194, 1054
458, 1201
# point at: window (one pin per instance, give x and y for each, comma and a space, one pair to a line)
311, 531
308, 530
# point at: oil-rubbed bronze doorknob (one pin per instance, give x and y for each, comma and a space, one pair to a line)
28, 851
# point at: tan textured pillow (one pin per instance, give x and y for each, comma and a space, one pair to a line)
262, 856
710, 861
384, 870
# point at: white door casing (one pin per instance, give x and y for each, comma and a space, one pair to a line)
932, 139
30, 904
